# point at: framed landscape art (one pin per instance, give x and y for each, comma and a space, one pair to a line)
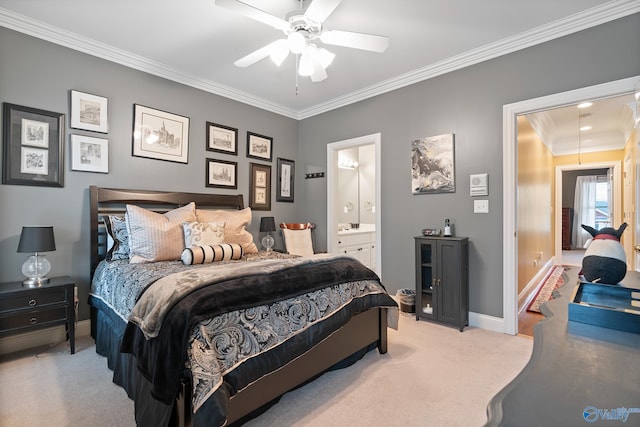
160, 135
89, 112
222, 174
259, 146
223, 139
89, 154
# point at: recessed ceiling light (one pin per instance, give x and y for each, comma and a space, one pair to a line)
585, 104
583, 128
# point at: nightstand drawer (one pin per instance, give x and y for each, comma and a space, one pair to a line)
26, 319
33, 299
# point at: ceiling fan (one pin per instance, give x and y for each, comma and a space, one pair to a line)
303, 29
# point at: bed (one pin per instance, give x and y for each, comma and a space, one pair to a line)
167, 355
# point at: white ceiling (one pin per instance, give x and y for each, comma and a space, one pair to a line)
611, 120
196, 42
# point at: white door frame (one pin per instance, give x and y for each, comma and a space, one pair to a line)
617, 197
510, 112
332, 191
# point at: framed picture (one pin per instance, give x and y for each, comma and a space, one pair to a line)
89, 112
33, 146
160, 135
89, 154
259, 146
432, 165
260, 187
221, 174
284, 185
223, 139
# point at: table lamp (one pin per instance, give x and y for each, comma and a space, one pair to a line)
267, 224
35, 240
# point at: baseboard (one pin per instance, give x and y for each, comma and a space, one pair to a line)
527, 294
484, 321
41, 337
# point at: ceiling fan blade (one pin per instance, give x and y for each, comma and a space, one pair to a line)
362, 41
319, 10
257, 55
253, 13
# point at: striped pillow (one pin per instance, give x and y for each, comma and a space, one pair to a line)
212, 253
157, 237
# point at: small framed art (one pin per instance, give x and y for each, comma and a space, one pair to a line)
260, 187
222, 139
160, 135
89, 154
89, 112
33, 146
284, 185
259, 146
222, 174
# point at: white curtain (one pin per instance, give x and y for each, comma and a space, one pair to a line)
584, 209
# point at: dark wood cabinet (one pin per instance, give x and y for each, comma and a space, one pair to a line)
442, 280
23, 309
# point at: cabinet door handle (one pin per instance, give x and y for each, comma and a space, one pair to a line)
33, 320
33, 302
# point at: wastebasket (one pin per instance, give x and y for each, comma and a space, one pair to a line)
407, 300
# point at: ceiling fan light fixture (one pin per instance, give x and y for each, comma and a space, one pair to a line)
297, 42
305, 68
324, 57
279, 51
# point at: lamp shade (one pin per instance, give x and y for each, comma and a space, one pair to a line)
36, 239
267, 224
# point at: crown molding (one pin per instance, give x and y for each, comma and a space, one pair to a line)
92, 47
589, 18
581, 21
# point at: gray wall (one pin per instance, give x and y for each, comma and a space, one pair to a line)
469, 104
39, 74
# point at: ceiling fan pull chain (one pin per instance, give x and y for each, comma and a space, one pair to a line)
296, 73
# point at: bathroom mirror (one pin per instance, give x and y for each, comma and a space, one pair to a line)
356, 181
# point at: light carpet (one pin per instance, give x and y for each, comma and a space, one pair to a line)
432, 375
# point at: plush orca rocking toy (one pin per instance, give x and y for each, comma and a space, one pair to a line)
604, 260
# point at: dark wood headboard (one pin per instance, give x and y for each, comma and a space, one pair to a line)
113, 201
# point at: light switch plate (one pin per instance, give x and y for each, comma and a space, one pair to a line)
480, 206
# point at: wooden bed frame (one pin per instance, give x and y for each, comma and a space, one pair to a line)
361, 331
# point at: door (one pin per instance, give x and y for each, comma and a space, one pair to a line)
449, 280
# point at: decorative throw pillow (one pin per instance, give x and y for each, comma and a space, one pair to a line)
298, 242
212, 253
117, 237
235, 223
203, 233
157, 237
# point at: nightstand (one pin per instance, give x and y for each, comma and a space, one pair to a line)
23, 309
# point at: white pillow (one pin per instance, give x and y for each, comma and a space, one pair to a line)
157, 237
235, 224
298, 242
203, 233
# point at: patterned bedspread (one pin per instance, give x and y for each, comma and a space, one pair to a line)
218, 345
